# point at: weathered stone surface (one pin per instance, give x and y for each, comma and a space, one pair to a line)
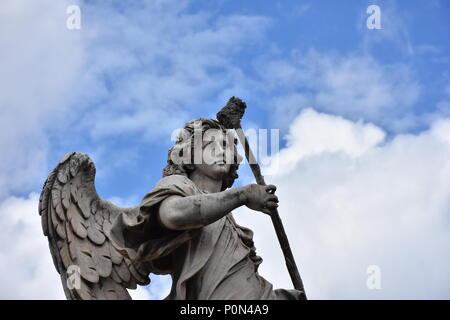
183, 227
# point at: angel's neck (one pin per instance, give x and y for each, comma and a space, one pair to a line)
205, 183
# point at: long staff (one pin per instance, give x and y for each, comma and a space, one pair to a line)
230, 116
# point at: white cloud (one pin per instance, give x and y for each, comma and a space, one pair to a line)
26, 267
313, 133
158, 289
365, 202
40, 59
141, 293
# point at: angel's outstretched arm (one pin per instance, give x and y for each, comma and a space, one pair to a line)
182, 213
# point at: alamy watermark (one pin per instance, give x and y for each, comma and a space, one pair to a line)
73, 277
219, 146
374, 19
373, 281
73, 21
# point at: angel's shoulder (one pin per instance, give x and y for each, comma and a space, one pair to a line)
176, 180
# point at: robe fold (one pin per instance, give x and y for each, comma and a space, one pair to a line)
217, 261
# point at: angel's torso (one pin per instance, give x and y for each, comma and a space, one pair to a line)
220, 262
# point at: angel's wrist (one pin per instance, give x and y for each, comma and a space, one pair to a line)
242, 195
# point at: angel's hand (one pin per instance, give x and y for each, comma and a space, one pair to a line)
261, 198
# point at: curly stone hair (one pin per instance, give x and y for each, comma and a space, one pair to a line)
186, 137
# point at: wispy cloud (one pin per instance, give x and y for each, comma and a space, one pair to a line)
394, 30
156, 62
40, 59
354, 86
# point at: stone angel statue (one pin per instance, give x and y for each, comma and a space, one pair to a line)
183, 227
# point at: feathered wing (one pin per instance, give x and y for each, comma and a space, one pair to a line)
77, 223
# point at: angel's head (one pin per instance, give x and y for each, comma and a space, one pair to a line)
207, 146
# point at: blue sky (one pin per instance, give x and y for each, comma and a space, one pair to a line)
413, 37
118, 87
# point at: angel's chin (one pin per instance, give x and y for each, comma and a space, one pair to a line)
219, 174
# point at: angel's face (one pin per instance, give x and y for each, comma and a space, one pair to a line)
218, 153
